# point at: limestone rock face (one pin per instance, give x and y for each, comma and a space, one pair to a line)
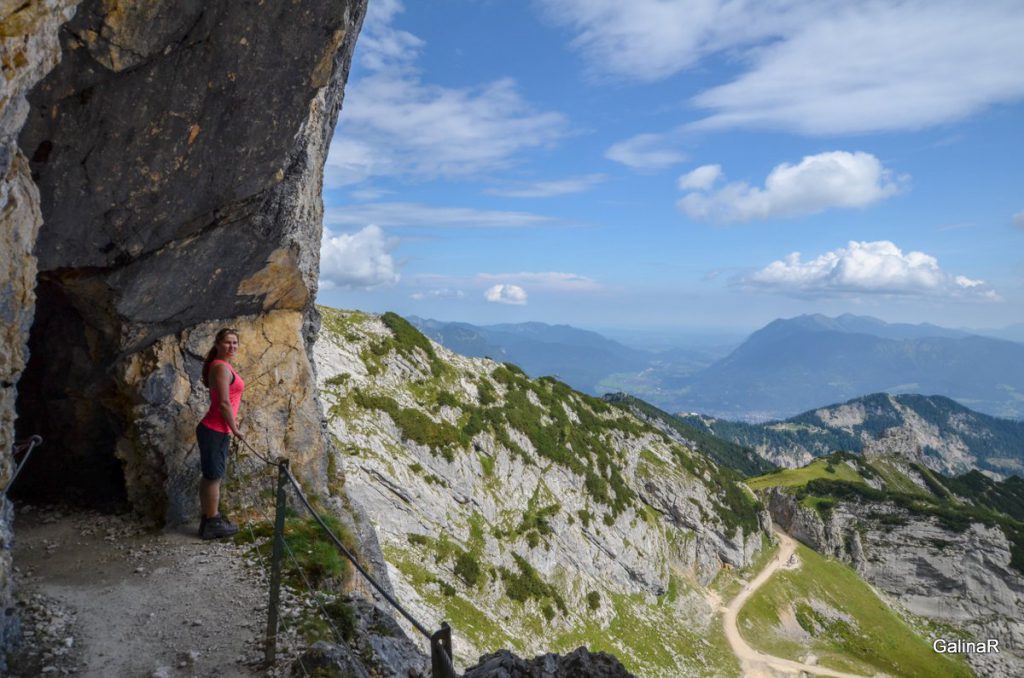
28, 50
178, 149
528, 515
960, 578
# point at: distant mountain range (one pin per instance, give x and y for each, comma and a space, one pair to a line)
801, 363
789, 366
947, 436
583, 359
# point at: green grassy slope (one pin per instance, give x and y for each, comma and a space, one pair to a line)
824, 608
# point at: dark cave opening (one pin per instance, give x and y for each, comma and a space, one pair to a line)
65, 395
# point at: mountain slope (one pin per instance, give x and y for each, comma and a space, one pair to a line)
530, 515
949, 549
727, 454
797, 364
951, 438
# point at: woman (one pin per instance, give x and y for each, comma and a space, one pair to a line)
215, 430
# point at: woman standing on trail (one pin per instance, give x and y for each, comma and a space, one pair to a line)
215, 430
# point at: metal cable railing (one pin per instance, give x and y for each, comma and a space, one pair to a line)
23, 447
442, 665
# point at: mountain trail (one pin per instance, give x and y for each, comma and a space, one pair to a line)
100, 596
757, 664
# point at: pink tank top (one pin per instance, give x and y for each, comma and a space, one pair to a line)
213, 419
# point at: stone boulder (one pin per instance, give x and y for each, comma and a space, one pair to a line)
580, 663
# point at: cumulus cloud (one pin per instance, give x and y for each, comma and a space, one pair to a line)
700, 179
816, 183
878, 267
548, 280
814, 66
645, 152
395, 124
407, 214
549, 189
1018, 219
506, 294
360, 259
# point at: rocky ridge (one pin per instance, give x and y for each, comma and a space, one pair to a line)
947, 436
528, 515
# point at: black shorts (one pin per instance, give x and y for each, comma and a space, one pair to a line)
213, 451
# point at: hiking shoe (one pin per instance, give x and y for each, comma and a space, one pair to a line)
202, 524
217, 528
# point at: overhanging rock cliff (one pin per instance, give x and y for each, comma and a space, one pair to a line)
178, 149
171, 166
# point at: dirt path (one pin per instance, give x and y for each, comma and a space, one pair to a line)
756, 664
101, 597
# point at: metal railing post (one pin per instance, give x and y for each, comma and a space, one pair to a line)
270, 653
441, 665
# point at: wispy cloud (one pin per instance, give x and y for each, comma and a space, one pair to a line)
368, 193
816, 183
817, 67
646, 152
395, 124
878, 267
439, 293
506, 294
360, 259
1018, 219
550, 189
406, 214
547, 280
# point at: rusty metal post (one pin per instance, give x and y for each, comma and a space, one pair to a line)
277, 553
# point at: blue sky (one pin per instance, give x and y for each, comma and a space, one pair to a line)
701, 164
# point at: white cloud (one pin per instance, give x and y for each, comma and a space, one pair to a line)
440, 293
816, 183
360, 259
395, 124
548, 280
1018, 219
878, 267
548, 189
407, 214
645, 152
506, 294
649, 40
815, 66
700, 179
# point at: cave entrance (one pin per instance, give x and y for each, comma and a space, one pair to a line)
66, 395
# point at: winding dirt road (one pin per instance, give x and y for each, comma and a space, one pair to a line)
757, 664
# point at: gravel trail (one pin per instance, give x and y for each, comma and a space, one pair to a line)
757, 664
102, 597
